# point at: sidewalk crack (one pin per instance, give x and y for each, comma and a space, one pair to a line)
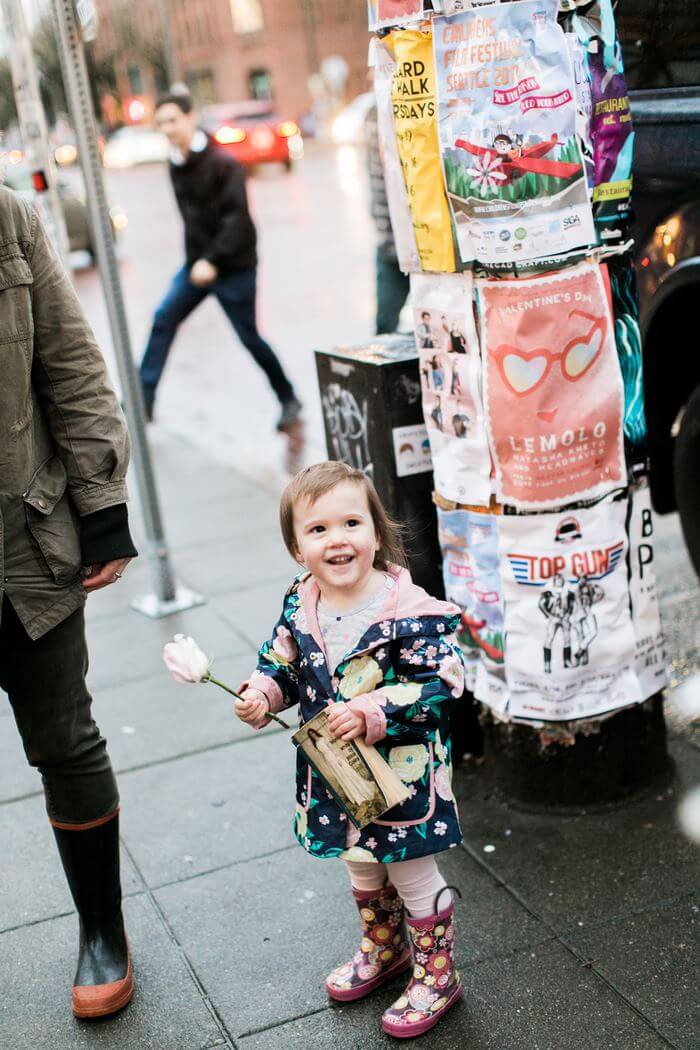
204, 995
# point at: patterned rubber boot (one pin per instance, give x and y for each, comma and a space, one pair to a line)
435, 985
384, 951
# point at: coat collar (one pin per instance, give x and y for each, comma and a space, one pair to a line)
405, 601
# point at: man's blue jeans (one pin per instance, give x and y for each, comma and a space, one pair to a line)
236, 293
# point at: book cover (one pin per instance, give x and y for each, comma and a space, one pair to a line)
363, 784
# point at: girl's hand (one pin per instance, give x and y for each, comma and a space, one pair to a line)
344, 723
253, 708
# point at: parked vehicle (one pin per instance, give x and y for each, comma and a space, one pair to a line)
136, 144
661, 50
253, 133
72, 193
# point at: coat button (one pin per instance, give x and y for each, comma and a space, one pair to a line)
41, 503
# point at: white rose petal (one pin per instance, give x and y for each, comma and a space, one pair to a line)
185, 660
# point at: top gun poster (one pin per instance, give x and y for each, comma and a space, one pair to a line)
513, 165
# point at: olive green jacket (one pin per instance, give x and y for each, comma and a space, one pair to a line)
64, 447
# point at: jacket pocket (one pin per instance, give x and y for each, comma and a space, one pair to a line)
53, 522
16, 342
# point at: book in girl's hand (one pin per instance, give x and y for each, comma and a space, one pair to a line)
363, 784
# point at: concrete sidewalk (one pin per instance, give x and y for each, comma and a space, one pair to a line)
576, 932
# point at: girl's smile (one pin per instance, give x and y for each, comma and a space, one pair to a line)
337, 542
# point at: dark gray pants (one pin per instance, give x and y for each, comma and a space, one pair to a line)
45, 682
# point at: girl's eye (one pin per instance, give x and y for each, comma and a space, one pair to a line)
353, 521
318, 528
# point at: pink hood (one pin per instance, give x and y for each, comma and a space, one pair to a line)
405, 601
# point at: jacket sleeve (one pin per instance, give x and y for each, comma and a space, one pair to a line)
70, 378
234, 227
105, 535
277, 671
429, 674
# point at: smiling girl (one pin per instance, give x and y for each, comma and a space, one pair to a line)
357, 634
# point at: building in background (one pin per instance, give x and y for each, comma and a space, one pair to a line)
230, 50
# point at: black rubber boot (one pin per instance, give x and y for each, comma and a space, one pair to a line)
567, 656
103, 979
547, 661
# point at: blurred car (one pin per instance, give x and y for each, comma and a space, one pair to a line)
348, 127
253, 133
136, 144
661, 51
72, 194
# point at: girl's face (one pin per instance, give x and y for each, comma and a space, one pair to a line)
336, 539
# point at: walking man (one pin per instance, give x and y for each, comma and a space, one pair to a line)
64, 533
220, 251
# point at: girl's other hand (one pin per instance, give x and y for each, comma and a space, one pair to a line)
253, 708
344, 723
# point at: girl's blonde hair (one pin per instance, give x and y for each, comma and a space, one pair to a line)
314, 482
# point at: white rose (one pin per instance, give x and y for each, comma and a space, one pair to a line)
409, 761
185, 660
359, 854
403, 694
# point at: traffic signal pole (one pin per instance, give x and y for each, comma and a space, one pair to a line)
167, 597
32, 124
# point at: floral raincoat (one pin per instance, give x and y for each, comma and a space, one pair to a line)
404, 675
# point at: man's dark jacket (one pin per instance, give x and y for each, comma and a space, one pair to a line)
211, 195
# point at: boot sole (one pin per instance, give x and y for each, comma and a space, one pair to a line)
350, 994
104, 1004
410, 1031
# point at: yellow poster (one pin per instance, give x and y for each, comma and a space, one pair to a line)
415, 117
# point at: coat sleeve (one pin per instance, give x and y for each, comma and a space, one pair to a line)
277, 671
232, 202
70, 378
430, 675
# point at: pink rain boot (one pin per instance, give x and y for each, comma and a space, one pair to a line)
435, 985
383, 952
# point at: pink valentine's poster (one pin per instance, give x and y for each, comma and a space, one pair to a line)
553, 388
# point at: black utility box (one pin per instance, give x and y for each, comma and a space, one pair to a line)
372, 414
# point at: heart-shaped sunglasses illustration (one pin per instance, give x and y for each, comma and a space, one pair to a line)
525, 370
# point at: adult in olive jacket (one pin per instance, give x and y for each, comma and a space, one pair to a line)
64, 533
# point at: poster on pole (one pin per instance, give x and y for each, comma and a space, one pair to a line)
450, 369
650, 654
513, 165
571, 647
384, 13
415, 119
384, 66
470, 565
552, 388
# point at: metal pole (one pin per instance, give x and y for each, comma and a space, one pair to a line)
167, 598
32, 123
171, 57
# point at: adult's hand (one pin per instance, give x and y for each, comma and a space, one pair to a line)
103, 575
203, 273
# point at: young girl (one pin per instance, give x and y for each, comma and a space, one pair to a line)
357, 634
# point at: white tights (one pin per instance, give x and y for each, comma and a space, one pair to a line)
418, 882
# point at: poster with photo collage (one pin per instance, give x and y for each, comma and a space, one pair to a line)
450, 371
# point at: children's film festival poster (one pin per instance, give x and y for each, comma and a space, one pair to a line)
513, 165
470, 565
553, 388
450, 368
571, 647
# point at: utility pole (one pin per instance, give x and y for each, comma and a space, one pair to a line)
32, 123
174, 70
167, 597
308, 17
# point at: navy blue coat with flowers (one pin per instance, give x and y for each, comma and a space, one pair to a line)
404, 675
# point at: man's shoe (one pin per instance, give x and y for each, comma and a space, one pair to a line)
291, 414
104, 979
